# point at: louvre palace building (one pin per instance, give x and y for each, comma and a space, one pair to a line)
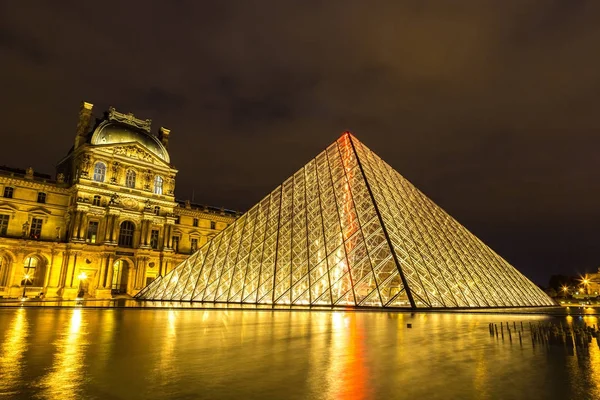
107, 223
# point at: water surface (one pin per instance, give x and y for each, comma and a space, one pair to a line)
75, 353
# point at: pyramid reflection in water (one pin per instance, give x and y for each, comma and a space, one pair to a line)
347, 230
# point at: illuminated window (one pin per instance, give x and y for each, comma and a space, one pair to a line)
126, 234
92, 232
8, 192
176, 243
41, 197
96, 200
154, 239
99, 172
195, 223
213, 225
158, 185
4, 219
130, 179
29, 271
156, 210
3, 271
36, 228
194, 244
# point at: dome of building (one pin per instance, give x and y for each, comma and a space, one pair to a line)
113, 132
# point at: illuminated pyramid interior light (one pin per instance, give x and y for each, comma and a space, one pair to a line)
347, 230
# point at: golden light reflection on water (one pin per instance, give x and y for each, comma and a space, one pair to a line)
124, 354
166, 367
594, 367
347, 373
12, 352
67, 376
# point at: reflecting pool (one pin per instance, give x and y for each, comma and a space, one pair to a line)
121, 353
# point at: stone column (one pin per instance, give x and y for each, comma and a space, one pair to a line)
107, 227
102, 274
168, 236
109, 273
82, 224
71, 270
143, 272
75, 225
144, 228
49, 270
62, 277
115, 231
148, 232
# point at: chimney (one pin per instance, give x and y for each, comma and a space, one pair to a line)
163, 136
83, 125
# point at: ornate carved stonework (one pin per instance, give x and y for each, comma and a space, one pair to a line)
130, 203
129, 119
133, 151
85, 164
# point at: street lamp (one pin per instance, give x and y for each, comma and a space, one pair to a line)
26, 278
82, 277
565, 290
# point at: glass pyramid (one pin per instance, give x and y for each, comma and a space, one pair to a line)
347, 230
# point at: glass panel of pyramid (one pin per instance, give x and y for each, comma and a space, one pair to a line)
347, 230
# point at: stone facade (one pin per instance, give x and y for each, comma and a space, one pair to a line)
107, 224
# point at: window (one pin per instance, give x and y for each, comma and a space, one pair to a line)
4, 224
195, 223
158, 185
178, 219
126, 234
8, 192
92, 232
99, 172
29, 268
176, 243
130, 179
41, 197
156, 210
96, 200
36, 228
154, 239
194, 244
3, 272
213, 225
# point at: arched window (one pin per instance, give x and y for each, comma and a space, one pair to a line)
33, 275
99, 172
130, 179
3, 271
158, 185
126, 234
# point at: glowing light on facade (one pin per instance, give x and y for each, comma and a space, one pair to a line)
347, 230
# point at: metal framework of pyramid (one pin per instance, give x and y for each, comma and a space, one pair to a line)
347, 230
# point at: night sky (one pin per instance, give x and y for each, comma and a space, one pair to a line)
491, 108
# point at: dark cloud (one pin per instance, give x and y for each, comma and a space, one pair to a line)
489, 107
